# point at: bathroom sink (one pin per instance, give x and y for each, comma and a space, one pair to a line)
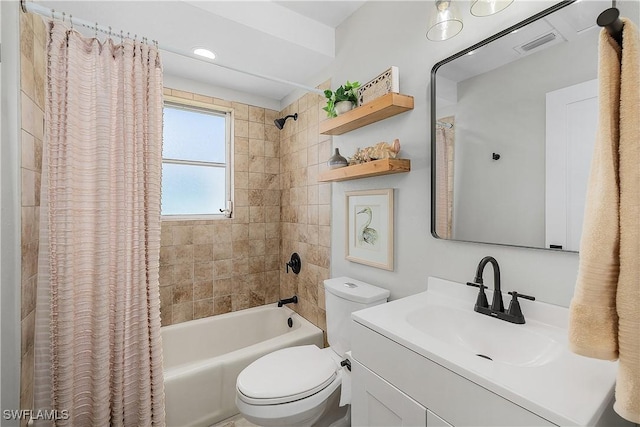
485, 337
528, 364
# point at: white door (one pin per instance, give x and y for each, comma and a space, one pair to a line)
571, 124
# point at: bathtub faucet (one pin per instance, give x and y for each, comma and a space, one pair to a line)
293, 299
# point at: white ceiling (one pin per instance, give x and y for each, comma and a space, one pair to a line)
568, 23
290, 40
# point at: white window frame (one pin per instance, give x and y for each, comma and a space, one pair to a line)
189, 104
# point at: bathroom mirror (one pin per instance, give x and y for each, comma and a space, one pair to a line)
513, 125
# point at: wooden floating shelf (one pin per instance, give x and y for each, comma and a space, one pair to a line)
379, 109
365, 170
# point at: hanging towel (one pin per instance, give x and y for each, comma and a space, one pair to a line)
604, 320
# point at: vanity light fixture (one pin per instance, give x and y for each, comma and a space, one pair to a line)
206, 53
445, 21
488, 7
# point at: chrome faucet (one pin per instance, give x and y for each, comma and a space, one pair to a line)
514, 313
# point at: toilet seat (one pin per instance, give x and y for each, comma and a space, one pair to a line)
287, 375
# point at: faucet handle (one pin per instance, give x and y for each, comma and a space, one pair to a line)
514, 307
515, 294
481, 301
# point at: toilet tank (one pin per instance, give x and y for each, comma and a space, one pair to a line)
343, 296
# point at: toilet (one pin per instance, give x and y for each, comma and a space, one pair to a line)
301, 385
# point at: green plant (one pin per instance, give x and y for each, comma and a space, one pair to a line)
347, 92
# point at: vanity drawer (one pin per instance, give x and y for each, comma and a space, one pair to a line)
451, 397
375, 402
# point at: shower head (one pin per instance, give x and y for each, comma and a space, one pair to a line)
280, 122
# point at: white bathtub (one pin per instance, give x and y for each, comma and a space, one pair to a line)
202, 358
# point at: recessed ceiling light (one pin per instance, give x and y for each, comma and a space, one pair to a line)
204, 52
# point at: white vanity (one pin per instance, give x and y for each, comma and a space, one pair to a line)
429, 359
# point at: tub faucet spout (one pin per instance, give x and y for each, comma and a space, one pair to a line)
293, 299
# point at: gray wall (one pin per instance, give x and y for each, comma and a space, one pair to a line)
503, 111
381, 34
10, 211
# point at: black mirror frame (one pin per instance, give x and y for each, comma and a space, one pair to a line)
533, 18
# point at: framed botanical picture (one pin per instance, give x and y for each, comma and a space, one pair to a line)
369, 225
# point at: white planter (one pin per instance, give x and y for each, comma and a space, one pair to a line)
343, 106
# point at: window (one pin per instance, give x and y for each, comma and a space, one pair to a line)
196, 176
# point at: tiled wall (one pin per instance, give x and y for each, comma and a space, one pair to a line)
216, 266
32, 81
305, 206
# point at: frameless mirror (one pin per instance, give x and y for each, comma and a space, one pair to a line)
513, 125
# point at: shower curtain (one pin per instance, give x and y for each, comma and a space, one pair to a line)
444, 178
98, 345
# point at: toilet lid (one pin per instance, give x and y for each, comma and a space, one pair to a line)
288, 374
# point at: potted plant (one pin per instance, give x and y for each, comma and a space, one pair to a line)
342, 100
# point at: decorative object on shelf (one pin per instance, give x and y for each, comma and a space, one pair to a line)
347, 92
337, 161
369, 227
343, 106
388, 81
381, 150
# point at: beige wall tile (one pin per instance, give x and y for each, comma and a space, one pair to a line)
241, 128
182, 235
256, 131
182, 312
222, 268
222, 102
241, 214
203, 308
203, 234
27, 80
222, 233
202, 98
241, 111
256, 164
181, 94
256, 114
241, 145
203, 290
222, 304
202, 253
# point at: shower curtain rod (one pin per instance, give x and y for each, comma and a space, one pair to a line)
50, 13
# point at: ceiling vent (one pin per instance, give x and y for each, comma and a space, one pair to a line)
539, 43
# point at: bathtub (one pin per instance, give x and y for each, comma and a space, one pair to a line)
202, 358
